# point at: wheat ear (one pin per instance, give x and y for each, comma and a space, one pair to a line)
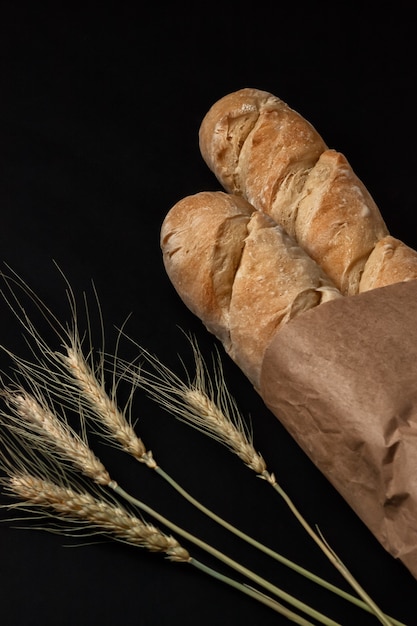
81, 506
209, 407
32, 416
105, 410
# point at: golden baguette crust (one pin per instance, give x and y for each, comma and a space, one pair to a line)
239, 272
202, 238
252, 140
391, 261
275, 281
337, 221
224, 130
257, 146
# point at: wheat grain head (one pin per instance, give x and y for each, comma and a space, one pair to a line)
203, 401
32, 417
80, 506
103, 405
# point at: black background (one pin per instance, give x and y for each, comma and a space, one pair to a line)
99, 115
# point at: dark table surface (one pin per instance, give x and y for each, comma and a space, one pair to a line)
99, 116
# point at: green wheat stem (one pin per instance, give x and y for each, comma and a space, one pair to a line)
331, 555
241, 569
253, 593
265, 549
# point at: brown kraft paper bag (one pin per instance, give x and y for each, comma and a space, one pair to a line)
342, 379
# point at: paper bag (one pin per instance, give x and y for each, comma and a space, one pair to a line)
342, 379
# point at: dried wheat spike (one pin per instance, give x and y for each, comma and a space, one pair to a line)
53, 433
79, 506
104, 407
204, 402
207, 414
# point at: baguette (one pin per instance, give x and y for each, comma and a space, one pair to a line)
239, 272
261, 149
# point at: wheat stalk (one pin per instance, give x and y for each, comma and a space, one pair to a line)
206, 415
209, 407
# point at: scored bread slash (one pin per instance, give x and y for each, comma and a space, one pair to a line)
260, 148
391, 261
239, 272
